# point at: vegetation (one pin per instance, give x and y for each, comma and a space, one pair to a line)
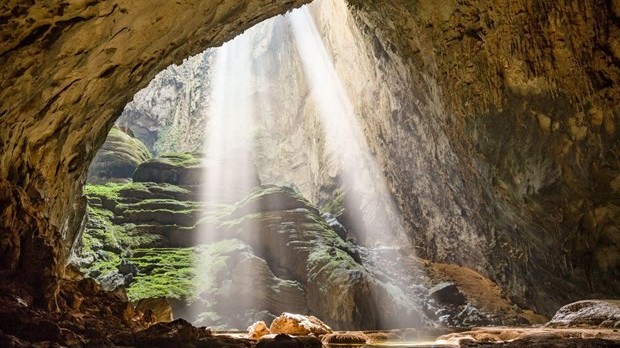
136, 148
163, 272
336, 205
186, 160
196, 274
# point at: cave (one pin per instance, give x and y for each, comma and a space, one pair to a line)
417, 168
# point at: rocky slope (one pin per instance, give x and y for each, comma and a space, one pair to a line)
227, 263
271, 252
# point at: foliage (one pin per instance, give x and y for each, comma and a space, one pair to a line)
183, 159
336, 205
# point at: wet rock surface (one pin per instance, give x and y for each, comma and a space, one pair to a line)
537, 337
300, 325
599, 313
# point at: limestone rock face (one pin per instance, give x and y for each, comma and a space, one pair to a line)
117, 159
510, 108
67, 72
168, 115
589, 313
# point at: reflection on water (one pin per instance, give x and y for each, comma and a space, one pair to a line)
421, 344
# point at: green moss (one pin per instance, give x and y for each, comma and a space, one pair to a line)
186, 160
167, 272
109, 190
136, 148
182, 273
167, 203
106, 265
335, 206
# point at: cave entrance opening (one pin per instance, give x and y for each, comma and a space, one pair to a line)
262, 195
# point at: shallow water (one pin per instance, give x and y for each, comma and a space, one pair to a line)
418, 344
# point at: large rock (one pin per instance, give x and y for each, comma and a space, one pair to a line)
175, 169
299, 325
589, 313
258, 330
234, 178
158, 308
337, 288
117, 158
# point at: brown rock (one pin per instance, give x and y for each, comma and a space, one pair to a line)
126, 311
159, 309
297, 324
88, 286
258, 330
345, 338
164, 334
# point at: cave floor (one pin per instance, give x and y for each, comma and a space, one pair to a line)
514, 337
85, 315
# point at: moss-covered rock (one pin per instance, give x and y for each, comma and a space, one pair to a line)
283, 228
270, 252
117, 159
176, 169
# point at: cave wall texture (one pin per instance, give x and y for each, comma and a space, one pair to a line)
68, 69
513, 105
526, 94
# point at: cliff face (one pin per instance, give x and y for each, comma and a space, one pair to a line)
495, 124
67, 72
173, 113
517, 107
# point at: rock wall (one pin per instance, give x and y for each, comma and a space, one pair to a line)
499, 136
169, 115
172, 113
67, 71
510, 133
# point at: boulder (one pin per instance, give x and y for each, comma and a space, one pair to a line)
170, 334
117, 159
297, 324
258, 330
158, 307
351, 337
175, 169
588, 313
